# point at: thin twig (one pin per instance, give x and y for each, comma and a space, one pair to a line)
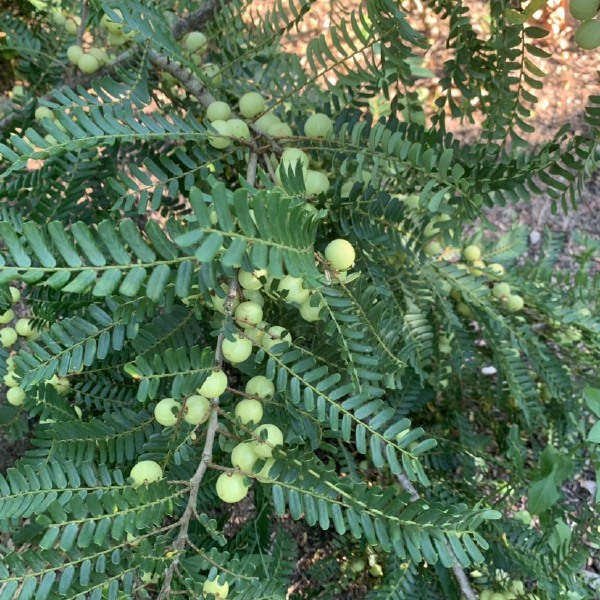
83, 15
459, 573
196, 20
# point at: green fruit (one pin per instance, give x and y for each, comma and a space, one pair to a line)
309, 312
197, 410
239, 129
315, 183
23, 327
249, 411
243, 456
43, 112
7, 316
61, 384
264, 446
514, 303
497, 596
71, 26
251, 281
261, 387
340, 254
116, 39
236, 350
15, 396
214, 386
432, 248
256, 334
195, 41
144, 472
280, 130
292, 290
252, 104
223, 139
358, 565
275, 336
15, 294
167, 411
248, 314
219, 302
376, 570
10, 381
485, 594
212, 72
58, 18
497, 269
88, 64
318, 126
266, 121
464, 309
583, 10
110, 25
8, 336
265, 471
501, 290
587, 35
291, 156
472, 253
100, 55
218, 111
254, 296
231, 487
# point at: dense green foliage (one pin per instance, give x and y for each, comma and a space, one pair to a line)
434, 406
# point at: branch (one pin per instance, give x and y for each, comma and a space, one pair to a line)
459, 573
196, 20
83, 15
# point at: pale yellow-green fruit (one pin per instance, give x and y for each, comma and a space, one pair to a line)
195, 41
292, 290
116, 39
476, 268
249, 411
110, 25
43, 112
17, 93
238, 129
243, 457
485, 594
100, 55
15, 294
583, 10
215, 385
515, 303
71, 25
254, 296
318, 126
251, 281
7, 316
587, 35
252, 104
472, 253
432, 248
464, 309
197, 409
501, 290
280, 130
266, 121
11, 380
61, 384
275, 336
11, 365
222, 139
315, 182
231, 487
145, 471
167, 411
58, 18
23, 327
219, 302
237, 350
15, 396
264, 473
212, 73
8, 336
497, 269
248, 314
261, 387
291, 156
218, 111
309, 312
256, 334
88, 64
376, 570
340, 254
274, 437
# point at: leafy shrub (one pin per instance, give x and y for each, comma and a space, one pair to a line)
282, 308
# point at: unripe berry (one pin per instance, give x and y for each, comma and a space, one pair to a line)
472, 253
260, 386
213, 73
244, 457
292, 290
222, 140
10, 380
8, 336
71, 25
110, 25
237, 350
248, 314
145, 471
274, 337
238, 129
340, 254
214, 385
309, 312
315, 183
274, 437
15, 396
318, 126
249, 411
88, 64
197, 409
231, 487
587, 35
501, 290
251, 281
23, 327
15, 294
252, 104
584, 10
280, 130
515, 303
291, 156
7, 316
218, 111
166, 412
195, 41
497, 269
43, 112
266, 121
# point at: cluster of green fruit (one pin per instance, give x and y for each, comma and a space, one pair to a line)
514, 589
587, 35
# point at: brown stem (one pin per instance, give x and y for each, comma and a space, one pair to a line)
197, 19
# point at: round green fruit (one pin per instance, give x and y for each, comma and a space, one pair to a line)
318, 126
222, 139
583, 10
243, 456
7, 316
110, 25
515, 303
432, 248
167, 411
280, 130
231, 487
197, 410
291, 156
497, 269
340, 254
239, 129
251, 281
315, 183
237, 350
212, 72
61, 384
71, 25
291, 288
587, 35
58, 18
88, 64
43, 112
265, 471
15, 294
214, 386
274, 336
116, 39
264, 446
10, 380
254, 296
219, 302
100, 55
195, 41
23, 327
464, 309
266, 121
261, 387
218, 111
252, 104
376, 570
309, 312
358, 565
144, 472
248, 314
249, 411
256, 334
472, 253
15, 396
8, 336
501, 290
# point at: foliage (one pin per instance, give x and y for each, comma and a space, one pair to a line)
418, 408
